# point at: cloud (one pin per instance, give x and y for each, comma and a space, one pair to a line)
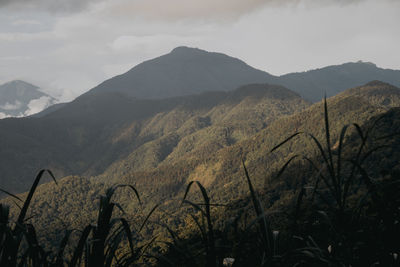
26, 22
10, 106
182, 9
172, 10
126, 43
102, 38
164, 9
3, 115
25, 37
37, 105
54, 6
33, 107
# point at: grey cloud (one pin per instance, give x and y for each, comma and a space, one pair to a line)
172, 10
11, 106
53, 6
164, 9
37, 105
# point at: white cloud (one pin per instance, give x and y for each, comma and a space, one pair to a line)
11, 106
3, 115
37, 105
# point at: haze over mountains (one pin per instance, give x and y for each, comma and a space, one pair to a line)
19, 98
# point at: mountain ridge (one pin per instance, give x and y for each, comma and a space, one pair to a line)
186, 71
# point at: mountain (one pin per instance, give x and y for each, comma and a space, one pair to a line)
186, 91
186, 71
313, 84
19, 98
191, 141
90, 134
49, 110
183, 71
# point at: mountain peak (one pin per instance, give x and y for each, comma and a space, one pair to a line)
366, 63
183, 71
187, 70
20, 83
186, 49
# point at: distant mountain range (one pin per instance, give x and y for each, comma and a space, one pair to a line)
186, 91
19, 99
313, 84
186, 71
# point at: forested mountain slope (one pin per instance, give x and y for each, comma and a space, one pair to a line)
89, 134
217, 164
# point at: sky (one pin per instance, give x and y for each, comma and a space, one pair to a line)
69, 46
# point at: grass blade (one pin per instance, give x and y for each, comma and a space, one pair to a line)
80, 247
31, 192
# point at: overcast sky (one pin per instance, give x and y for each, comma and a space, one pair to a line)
69, 46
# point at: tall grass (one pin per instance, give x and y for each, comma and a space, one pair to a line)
330, 177
100, 249
97, 246
337, 179
12, 236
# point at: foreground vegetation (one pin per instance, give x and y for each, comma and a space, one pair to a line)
341, 215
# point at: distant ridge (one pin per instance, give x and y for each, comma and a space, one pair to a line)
19, 99
313, 84
186, 71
